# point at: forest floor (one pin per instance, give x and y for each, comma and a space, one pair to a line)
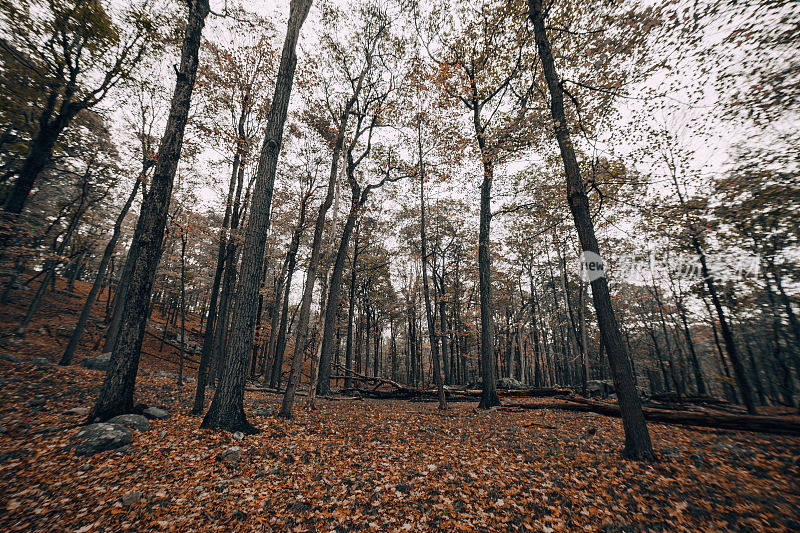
353, 465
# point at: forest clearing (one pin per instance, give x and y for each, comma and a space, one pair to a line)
399, 265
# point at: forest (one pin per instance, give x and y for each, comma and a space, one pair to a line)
399, 265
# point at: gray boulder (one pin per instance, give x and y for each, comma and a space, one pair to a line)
155, 412
509, 383
599, 387
41, 361
79, 411
137, 422
99, 362
99, 438
231, 455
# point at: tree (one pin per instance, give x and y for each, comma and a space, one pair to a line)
116, 395
637, 437
99, 279
480, 58
368, 38
429, 313
227, 407
235, 80
78, 52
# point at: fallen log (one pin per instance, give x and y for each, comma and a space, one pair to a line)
361, 377
762, 424
536, 392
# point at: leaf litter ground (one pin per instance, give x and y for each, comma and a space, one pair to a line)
368, 465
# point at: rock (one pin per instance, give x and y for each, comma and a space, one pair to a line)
602, 387
100, 437
509, 383
99, 362
162, 434
137, 422
79, 411
40, 361
231, 455
238, 435
131, 497
155, 412
8, 357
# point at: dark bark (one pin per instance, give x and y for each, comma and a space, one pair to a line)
183, 306
57, 249
116, 395
348, 357
334, 293
280, 336
359, 197
727, 334
219, 344
487, 355
637, 437
698, 373
227, 407
301, 337
40, 151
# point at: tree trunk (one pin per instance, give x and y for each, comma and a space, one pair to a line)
334, 293
301, 337
296, 370
227, 407
437, 374
348, 354
487, 354
698, 373
637, 437
51, 264
183, 306
116, 395
207, 351
727, 334
39, 154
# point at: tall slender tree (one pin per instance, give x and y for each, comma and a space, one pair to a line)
637, 437
116, 395
227, 407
